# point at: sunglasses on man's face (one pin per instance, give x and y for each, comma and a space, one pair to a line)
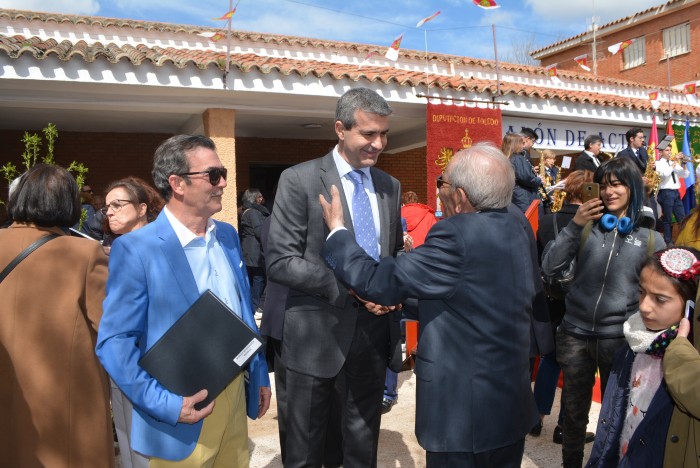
440, 182
215, 174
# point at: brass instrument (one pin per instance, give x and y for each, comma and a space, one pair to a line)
558, 195
546, 182
653, 178
607, 155
680, 158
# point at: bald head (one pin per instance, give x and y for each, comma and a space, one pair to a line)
485, 175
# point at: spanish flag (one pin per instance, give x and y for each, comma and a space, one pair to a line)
227, 16
393, 52
486, 4
620, 46
214, 36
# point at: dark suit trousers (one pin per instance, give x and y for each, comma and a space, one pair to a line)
310, 408
510, 456
333, 450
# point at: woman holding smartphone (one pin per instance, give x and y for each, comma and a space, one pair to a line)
610, 244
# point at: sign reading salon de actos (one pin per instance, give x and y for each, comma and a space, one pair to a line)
569, 136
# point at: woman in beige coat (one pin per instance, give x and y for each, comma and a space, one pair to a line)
54, 392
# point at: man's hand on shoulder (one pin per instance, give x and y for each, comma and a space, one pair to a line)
188, 413
333, 211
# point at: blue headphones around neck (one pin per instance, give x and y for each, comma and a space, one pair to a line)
609, 222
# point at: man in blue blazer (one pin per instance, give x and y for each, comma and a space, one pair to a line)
156, 273
473, 278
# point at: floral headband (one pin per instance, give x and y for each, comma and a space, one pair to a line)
680, 264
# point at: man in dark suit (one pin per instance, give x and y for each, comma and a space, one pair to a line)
271, 327
635, 148
588, 160
638, 153
330, 334
473, 278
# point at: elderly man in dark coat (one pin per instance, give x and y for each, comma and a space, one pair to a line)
473, 279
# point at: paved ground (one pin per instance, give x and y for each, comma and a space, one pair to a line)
397, 443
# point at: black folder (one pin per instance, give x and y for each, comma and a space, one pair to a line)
206, 348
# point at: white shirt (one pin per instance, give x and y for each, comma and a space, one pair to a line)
349, 188
593, 157
208, 261
666, 169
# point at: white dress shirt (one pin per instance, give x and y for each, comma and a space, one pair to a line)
349, 188
666, 169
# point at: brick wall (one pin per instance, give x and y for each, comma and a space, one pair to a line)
684, 68
110, 156
410, 168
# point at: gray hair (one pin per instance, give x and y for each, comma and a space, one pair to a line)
362, 99
590, 140
171, 158
251, 195
485, 175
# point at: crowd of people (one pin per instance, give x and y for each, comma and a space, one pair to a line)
333, 268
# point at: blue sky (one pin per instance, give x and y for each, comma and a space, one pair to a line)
461, 28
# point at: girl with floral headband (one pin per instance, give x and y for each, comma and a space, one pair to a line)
682, 375
633, 427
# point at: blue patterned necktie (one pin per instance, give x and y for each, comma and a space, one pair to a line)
362, 219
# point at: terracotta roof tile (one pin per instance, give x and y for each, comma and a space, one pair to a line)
349, 48
15, 46
137, 54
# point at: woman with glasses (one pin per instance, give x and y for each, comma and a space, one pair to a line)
130, 204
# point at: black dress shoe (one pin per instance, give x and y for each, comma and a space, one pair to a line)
537, 430
387, 404
558, 436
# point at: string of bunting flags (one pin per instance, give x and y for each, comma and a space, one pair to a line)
392, 52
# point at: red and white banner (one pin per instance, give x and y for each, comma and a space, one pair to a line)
486, 4
392, 52
582, 61
452, 128
425, 20
551, 71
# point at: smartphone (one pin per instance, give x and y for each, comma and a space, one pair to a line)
590, 191
689, 309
